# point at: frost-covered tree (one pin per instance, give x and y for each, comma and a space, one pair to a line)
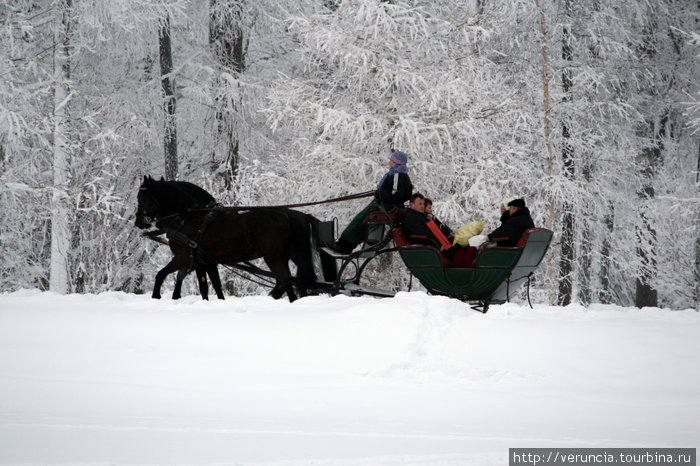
293, 101
668, 75
465, 100
98, 77
61, 211
116, 127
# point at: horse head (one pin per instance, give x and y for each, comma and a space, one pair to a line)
158, 199
149, 208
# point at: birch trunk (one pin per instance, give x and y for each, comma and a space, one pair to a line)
568, 250
551, 264
60, 204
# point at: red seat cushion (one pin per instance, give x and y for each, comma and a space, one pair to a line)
526, 234
382, 217
402, 240
399, 238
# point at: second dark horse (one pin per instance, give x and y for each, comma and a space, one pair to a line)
225, 236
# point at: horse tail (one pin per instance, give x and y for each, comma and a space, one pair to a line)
301, 241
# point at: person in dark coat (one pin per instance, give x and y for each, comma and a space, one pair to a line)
514, 222
415, 224
393, 190
416, 227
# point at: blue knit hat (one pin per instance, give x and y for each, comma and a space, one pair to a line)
399, 158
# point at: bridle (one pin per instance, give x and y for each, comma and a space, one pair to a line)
152, 219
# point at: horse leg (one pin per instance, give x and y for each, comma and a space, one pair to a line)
302, 227
173, 266
283, 279
213, 273
181, 274
276, 292
202, 281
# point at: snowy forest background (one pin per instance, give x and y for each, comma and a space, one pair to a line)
588, 109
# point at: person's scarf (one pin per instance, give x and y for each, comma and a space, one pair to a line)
393, 170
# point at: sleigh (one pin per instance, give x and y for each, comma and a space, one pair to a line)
495, 276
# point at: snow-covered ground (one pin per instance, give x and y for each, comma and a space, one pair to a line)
118, 379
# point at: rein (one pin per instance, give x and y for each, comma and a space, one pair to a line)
349, 197
155, 236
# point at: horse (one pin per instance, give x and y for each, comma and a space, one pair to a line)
192, 196
210, 236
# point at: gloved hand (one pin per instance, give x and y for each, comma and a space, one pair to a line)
478, 240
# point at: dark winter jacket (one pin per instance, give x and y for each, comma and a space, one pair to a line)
505, 216
512, 228
395, 190
415, 223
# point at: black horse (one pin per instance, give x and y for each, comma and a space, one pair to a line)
190, 196
210, 236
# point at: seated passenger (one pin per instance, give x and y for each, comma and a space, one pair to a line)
421, 230
514, 222
416, 225
447, 231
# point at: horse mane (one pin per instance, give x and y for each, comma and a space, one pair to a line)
198, 197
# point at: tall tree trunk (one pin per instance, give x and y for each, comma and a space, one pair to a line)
60, 203
568, 250
168, 83
585, 249
228, 45
646, 295
551, 267
605, 293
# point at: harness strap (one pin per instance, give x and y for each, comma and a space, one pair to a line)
175, 235
180, 238
207, 220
